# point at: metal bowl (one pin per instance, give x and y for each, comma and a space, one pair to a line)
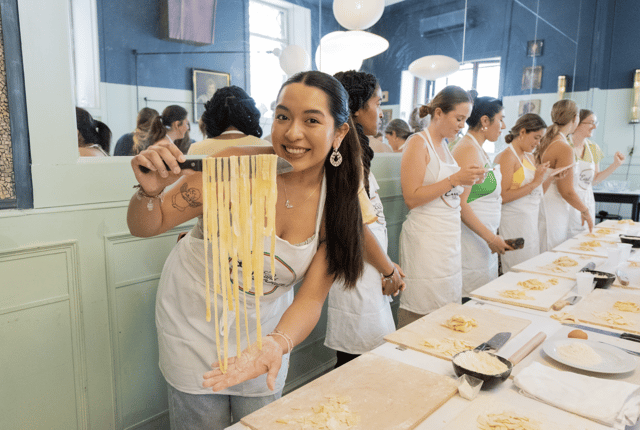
633, 240
490, 381
602, 279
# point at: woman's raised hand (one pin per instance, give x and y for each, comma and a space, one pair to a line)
541, 170
618, 158
154, 159
252, 363
469, 175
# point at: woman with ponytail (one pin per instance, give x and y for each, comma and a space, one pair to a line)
230, 118
319, 240
560, 200
431, 186
359, 318
94, 137
521, 188
169, 127
133, 143
480, 204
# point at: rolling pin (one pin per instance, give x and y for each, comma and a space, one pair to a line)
526, 349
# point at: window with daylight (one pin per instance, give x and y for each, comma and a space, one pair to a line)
273, 25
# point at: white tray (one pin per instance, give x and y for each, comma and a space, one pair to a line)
537, 264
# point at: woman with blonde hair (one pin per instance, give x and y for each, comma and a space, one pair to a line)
560, 199
133, 143
521, 188
588, 155
431, 186
481, 203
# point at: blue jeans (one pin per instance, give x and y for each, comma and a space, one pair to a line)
211, 411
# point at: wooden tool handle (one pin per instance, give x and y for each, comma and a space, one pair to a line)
559, 305
526, 349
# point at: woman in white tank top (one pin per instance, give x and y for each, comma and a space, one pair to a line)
431, 186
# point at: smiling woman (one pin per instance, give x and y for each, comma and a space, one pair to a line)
319, 235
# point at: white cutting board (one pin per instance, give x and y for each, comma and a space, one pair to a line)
620, 225
602, 301
537, 264
613, 237
632, 270
542, 299
573, 246
549, 417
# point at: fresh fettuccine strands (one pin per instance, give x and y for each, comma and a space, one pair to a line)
239, 196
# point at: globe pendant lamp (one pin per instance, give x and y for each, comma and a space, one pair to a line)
434, 67
294, 59
333, 56
357, 14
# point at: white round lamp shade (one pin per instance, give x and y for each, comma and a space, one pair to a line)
433, 67
357, 14
294, 59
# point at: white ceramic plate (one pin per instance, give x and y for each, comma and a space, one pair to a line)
614, 360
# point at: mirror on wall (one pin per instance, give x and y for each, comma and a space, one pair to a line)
515, 48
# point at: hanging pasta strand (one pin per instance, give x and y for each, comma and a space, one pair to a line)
239, 194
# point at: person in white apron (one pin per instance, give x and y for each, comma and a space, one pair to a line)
521, 188
588, 155
316, 226
359, 318
560, 198
481, 204
431, 186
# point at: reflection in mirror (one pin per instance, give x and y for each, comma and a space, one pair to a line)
513, 49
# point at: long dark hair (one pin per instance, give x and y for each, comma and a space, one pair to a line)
230, 106
361, 87
482, 106
159, 126
342, 215
92, 130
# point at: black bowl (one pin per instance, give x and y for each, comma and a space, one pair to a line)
633, 240
490, 381
602, 279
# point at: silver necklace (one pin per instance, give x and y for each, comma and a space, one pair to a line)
287, 204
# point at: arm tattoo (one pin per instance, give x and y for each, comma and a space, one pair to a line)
188, 197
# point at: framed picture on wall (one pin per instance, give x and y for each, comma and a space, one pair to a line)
529, 106
205, 84
534, 48
532, 78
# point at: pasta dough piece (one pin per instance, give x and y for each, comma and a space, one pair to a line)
507, 421
634, 264
515, 294
448, 346
612, 318
627, 306
566, 317
560, 265
334, 414
533, 284
588, 246
237, 214
460, 323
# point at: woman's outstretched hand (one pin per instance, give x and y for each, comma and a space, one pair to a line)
252, 363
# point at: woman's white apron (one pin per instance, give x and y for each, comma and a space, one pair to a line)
583, 184
520, 219
358, 319
479, 265
186, 341
430, 242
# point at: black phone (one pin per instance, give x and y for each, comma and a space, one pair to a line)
515, 243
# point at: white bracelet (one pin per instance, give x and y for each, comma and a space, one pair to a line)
141, 194
286, 338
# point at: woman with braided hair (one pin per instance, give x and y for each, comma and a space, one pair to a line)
359, 318
230, 118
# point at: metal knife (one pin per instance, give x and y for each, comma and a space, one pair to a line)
565, 302
283, 166
495, 342
626, 336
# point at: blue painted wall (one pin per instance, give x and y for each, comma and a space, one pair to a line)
126, 25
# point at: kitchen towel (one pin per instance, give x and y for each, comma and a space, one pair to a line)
616, 404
